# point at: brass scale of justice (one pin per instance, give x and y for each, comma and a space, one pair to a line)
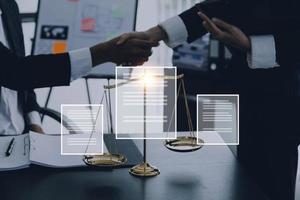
181, 144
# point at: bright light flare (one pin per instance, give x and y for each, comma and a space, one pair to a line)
148, 79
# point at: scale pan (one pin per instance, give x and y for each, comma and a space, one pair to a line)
105, 160
184, 144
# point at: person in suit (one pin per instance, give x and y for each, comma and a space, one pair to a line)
19, 75
269, 93
13, 102
274, 168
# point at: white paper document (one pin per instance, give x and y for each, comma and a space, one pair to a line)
219, 113
146, 102
87, 122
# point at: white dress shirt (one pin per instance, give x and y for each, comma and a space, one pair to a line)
263, 54
11, 114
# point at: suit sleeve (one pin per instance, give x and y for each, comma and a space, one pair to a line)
193, 23
187, 27
24, 73
212, 8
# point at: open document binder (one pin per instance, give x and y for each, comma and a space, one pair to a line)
45, 150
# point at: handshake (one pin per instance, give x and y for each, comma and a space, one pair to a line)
128, 49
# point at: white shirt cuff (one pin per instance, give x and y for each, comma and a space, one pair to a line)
81, 63
176, 31
263, 53
34, 118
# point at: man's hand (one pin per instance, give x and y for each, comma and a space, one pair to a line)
36, 128
155, 35
135, 50
226, 33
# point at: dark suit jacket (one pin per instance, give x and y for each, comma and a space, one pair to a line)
255, 17
269, 98
22, 73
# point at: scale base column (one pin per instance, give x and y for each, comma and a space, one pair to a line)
144, 170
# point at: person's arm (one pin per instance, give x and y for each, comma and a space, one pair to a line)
81, 64
261, 50
186, 27
31, 110
23, 73
40, 71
